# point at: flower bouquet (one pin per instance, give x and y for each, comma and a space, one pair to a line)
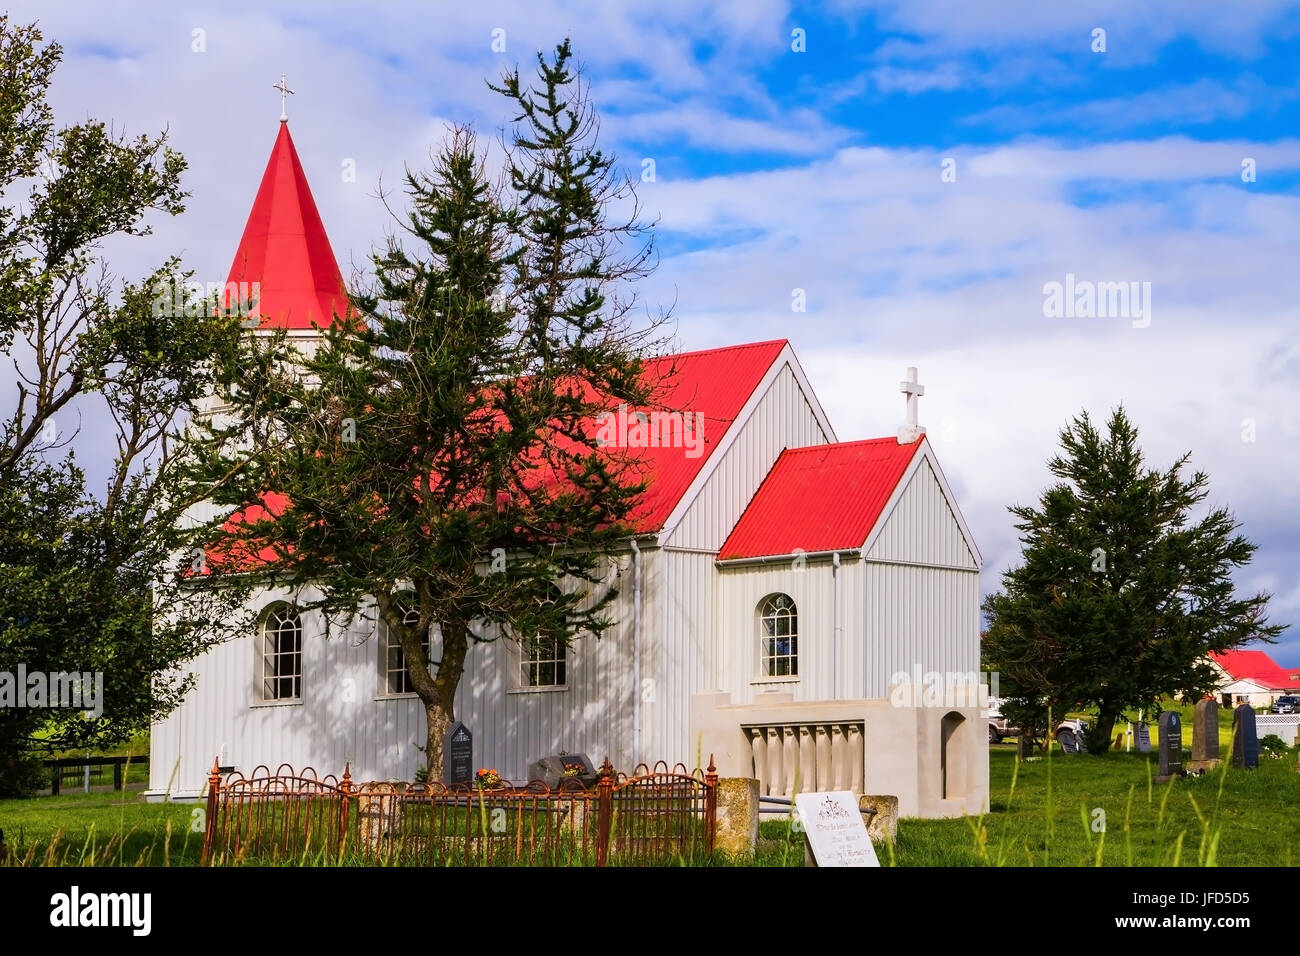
489, 779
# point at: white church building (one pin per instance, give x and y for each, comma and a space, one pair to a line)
784, 605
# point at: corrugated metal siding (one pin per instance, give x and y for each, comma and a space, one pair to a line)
782, 419
740, 591
338, 723
678, 652
922, 527
918, 620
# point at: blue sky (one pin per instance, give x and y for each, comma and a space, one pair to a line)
820, 170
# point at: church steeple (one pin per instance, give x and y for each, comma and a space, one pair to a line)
284, 248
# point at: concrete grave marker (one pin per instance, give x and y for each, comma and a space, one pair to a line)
1171, 746
833, 826
1245, 741
1205, 736
458, 754
1143, 737
554, 771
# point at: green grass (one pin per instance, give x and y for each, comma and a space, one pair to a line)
1042, 813
100, 829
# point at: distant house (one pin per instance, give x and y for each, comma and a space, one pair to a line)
1252, 677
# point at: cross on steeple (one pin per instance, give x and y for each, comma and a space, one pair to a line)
911, 431
285, 93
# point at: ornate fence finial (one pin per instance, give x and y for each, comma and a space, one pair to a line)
710, 805
604, 811
210, 816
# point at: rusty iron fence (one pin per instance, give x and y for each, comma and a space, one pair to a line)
656, 815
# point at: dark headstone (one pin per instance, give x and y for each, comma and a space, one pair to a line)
458, 754
1143, 737
1171, 745
1245, 742
1069, 740
1025, 747
1205, 733
560, 768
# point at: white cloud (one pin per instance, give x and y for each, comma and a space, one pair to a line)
899, 267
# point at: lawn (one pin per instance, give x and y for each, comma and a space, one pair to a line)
1044, 811
1060, 810
101, 829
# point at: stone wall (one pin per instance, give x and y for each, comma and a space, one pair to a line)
934, 759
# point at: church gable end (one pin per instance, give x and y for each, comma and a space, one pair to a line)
784, 414
923, 527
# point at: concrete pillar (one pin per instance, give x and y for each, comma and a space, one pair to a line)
775, 767
758, 745
789, 759
838, 761
807, 760
855, 758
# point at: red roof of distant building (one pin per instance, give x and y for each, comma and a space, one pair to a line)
820, 498
1257, 666
286, 250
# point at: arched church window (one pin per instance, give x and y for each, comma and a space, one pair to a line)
281, 642
778, 635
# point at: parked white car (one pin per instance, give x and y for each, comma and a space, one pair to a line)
1069, 733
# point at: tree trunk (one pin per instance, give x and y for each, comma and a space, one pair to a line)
439, 698
1099, 734
438, 721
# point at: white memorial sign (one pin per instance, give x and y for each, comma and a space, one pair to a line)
834, 828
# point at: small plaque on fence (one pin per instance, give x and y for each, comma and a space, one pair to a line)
833, 826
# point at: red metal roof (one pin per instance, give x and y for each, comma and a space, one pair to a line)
714, 384
1257, 666
285, 249
820, 498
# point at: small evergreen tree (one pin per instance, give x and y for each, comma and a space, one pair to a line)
1121, 595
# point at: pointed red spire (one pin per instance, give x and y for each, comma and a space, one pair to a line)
285, 249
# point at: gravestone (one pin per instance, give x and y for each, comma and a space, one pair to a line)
458, 754
1205, 736
833, 827
1171, 746
1071, 741
1025, 747
1143, 737
553, 770
1245, 742
737, 816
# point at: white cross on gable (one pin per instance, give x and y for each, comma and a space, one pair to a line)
913, 389
285, 93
